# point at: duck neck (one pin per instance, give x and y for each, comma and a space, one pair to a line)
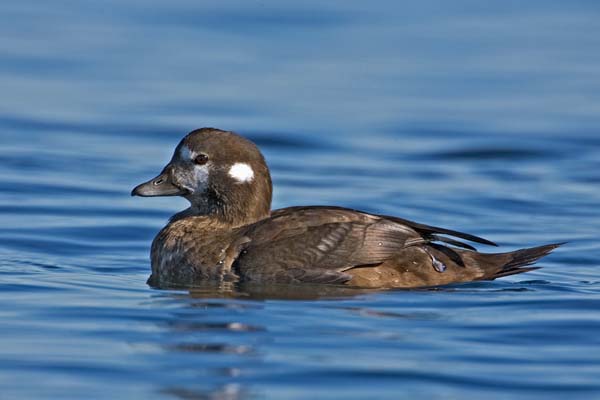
230, 208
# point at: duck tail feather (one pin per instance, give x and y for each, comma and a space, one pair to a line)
520, 260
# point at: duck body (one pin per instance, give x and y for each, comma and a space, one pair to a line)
230, 234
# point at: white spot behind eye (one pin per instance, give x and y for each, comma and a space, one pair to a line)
186, 153
241, 172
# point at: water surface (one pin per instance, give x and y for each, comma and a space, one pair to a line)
479, 117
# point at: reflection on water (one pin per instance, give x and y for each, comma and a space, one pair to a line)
244, 328
213, 323
253, 291
227, 392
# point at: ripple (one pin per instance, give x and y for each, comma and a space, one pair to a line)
492, 153
212, 348
193, 326
353, 104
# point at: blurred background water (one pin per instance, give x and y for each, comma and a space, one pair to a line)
478, 116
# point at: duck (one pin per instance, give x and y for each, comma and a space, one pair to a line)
229, 233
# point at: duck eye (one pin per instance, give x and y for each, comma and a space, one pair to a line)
201, 159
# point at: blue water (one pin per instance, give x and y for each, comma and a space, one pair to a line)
478, 116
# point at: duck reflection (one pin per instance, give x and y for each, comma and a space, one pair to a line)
226, 392
213, 339
191, 326
250, 291
219, 334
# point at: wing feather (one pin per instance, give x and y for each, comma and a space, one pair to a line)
317, 243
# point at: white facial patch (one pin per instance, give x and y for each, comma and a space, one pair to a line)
196, 178
186, 153
200, 177
241, 172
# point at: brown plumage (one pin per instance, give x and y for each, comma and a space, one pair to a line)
229, 234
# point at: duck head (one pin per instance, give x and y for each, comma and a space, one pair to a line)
221, 174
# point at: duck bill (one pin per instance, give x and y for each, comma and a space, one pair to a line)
162, 185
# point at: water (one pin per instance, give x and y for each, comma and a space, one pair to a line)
479, 117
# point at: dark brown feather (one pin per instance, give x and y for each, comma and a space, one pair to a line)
321, 239
229, 232
413, 266
457, 243
428, 229
423, 229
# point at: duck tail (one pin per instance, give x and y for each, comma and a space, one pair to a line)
516, 262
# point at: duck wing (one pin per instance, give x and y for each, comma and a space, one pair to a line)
431, 231
317, 244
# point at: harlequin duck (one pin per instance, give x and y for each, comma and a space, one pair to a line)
230, 233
